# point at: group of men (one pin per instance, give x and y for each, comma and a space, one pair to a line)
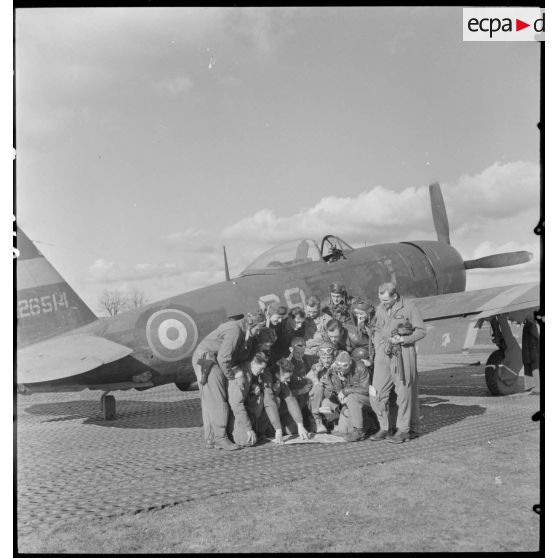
346, 367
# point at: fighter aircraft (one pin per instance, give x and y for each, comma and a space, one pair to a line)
63, 346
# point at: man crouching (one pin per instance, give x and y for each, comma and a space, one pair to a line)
289, 410
246, 398
347, 382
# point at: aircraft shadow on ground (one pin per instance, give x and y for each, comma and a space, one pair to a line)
461, 390
129, 413
461, 381
436, 413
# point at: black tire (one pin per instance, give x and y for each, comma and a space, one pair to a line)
499, 380
183, 386
109, 407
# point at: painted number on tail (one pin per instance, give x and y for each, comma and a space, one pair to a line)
41, 305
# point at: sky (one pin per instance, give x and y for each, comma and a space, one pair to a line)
149, 137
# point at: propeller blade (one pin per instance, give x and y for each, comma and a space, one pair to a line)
500, 260
227, 274
439, 214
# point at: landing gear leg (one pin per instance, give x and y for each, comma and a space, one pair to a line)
108, 406
504, 365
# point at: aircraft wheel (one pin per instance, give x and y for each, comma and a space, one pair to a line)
499, 379
108, 403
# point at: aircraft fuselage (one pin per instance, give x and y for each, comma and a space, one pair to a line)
164, 334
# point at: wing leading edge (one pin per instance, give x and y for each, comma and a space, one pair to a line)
481, 303
66, 356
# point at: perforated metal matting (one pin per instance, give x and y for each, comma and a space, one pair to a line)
72, 464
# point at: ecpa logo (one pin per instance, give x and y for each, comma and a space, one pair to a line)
503, 24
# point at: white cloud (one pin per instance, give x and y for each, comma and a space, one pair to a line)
487, 214
380, 215
502, 190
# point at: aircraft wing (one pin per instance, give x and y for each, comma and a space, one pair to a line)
482, 303
66, 356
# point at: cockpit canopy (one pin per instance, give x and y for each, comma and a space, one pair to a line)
296, 252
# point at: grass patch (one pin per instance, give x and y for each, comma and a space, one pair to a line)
475, 498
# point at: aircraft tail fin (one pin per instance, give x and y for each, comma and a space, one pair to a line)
46, 305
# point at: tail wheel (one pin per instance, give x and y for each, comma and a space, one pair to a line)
499, 378
108, 405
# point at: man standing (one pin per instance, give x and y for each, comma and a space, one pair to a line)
398, 327
338, 307
219, 352
530, 347
292, 326
314, 325
361, 328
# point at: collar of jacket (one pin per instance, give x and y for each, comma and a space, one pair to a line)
397, 306
243, 324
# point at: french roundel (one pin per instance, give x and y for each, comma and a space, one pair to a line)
171, 334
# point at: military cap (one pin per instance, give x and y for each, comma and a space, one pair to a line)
337, 287
360, 352
363, 305
326, 348
343, 358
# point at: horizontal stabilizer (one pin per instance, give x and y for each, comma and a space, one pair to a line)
66, 356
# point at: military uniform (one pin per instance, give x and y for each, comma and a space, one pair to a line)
301, 386
386, 376
339, 312
530, 347
354, 385
286, 332
228, 345
314, 328
317, 376
361, 335
289, 409
345, 342
249, 396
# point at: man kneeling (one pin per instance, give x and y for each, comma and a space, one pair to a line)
249, 394
347, 382
289, 410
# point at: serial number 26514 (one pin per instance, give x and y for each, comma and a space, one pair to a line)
41, 305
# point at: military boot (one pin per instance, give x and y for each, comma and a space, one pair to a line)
320, 427
380, 435
356, 435
225, 444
